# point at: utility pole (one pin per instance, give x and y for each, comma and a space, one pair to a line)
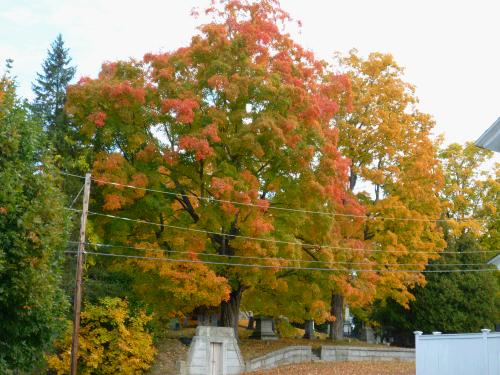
79, 270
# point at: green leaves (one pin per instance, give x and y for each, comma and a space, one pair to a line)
33, 230
457, 302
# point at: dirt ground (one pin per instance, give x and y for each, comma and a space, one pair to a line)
343, 368
170, 351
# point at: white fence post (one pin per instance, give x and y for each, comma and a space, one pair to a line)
417, 335
485, 332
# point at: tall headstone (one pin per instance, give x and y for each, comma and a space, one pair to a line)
264, 329
368, 335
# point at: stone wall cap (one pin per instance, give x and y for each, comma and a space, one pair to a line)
368, 348
281, 351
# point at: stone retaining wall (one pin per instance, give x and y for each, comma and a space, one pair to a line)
285, 356
356, 353
298, 354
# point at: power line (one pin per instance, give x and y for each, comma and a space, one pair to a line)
281, 267
271, 240
77, 195
270, 258
296, 210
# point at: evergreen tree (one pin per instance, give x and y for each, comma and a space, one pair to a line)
33, 230
459, 301
48, 108
450, 302
50, 87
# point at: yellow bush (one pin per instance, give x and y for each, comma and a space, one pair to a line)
285, 329
111, 341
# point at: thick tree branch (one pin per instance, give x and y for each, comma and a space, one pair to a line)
306, 250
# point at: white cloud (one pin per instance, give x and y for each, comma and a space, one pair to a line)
20, 15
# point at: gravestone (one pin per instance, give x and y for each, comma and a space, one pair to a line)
213, 351
205, 319
368, 335
174, 324
264, 329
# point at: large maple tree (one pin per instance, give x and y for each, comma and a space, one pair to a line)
242, 114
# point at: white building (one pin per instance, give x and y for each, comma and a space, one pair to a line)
495, 261
490, 139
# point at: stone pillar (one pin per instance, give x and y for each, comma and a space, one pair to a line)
309, 329
264, 329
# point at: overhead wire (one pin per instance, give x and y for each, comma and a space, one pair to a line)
263, 266
96, 244
269, 240
296, 210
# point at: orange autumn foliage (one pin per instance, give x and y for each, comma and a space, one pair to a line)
242, 114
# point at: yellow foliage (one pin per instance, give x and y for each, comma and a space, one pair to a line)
388, 142
285, 329
112, 341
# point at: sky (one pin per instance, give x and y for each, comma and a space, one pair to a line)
449, 49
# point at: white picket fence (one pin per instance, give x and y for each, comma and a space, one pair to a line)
458, 354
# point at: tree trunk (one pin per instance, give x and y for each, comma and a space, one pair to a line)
251, 322
230, 310
337, 310
309, 329
353, 178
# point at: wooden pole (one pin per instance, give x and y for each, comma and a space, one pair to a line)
79, 271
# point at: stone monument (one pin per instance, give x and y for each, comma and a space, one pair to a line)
368, 335
213, 351
264, 329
